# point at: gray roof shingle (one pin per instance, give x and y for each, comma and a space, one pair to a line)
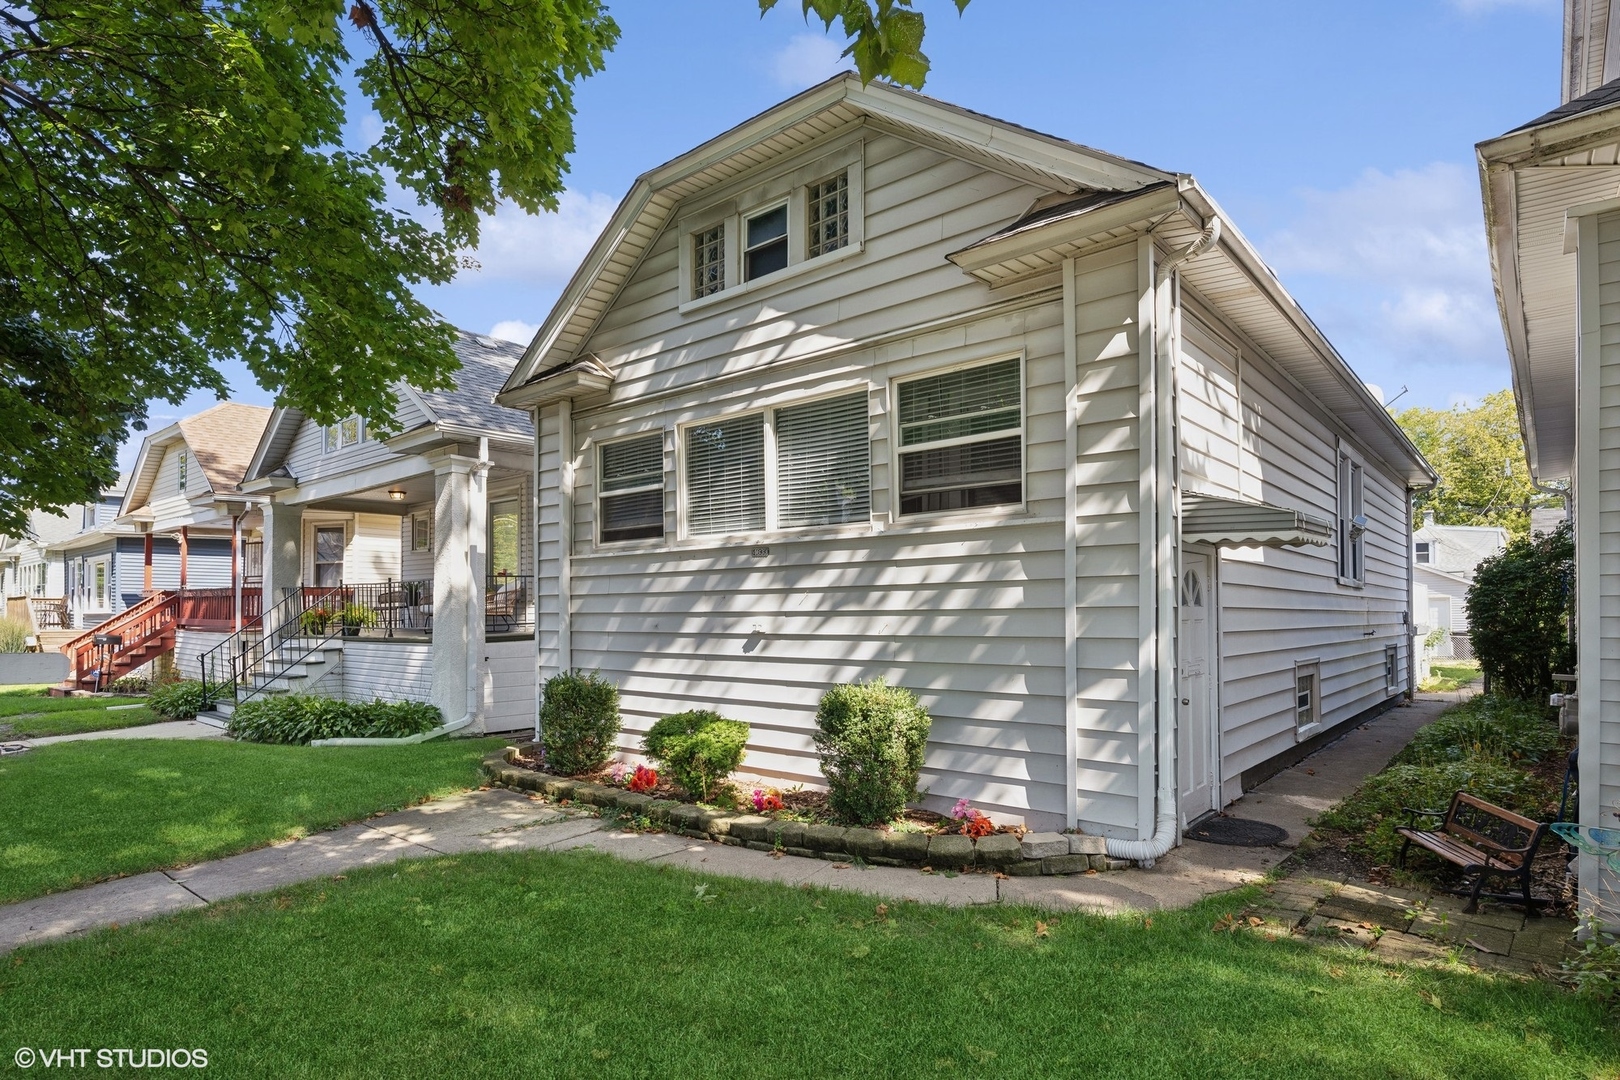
485, 364
1591, 101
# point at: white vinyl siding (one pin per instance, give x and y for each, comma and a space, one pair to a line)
961, 439
632, 489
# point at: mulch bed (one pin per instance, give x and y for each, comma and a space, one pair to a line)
799, 804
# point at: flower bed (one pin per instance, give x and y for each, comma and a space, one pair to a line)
1009, 850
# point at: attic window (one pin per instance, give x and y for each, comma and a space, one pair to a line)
767, 250
181, 483
709, 260
344, 433
1420, 552
829, 214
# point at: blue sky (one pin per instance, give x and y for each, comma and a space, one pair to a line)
1339, 137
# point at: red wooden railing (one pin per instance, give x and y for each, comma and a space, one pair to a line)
138, 629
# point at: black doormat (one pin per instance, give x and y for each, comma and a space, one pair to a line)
1236, 832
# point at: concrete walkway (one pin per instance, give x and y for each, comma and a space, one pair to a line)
173, 729
499, 820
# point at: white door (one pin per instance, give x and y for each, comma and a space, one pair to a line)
1195, 735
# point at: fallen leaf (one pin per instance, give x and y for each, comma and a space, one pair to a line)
1483, 949
882, 910
1365, 925
340, 877
1040, 928
1430, 998
1337, 973
1091, 873
1255, 920
926, 870
1001, 877
777, 854
840, 866
1310, 772
1147, 924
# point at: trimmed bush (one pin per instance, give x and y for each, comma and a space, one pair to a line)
1519, 614
699, 749
871, 739
1374, 810
181, 699
579, 722
1505, 729
303, 718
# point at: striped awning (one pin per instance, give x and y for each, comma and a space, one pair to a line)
1227, 522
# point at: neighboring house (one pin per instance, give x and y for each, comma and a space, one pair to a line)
32, 582
87, 557
428, 530
1443, 561
874, 386
1552, 219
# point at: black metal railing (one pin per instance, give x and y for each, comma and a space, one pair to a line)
509, 604
232, 665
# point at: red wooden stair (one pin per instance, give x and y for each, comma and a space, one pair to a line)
145, 631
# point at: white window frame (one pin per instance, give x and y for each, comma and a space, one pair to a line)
1350, 554
180, 484
895, 449
742, 239
662, 487
735, 204
772, 493
1423, 552
421, 522
333, 434
1311, 669
103, 600
315, 527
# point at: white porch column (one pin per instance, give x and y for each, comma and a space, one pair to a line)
460, 509
282, 567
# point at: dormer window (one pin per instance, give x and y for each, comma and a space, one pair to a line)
1420, 552
764, 229
346, 432
767, 250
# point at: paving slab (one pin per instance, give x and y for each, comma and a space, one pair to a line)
707, 857
630, 846
903, 883
1100, 894
288, 863
462, 817
64, 914
532, 837
175, 729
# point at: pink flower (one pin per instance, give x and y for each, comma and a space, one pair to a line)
617, 772
962, 809
759, 799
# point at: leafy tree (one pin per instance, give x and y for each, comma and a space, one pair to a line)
1479, 454
174, 191
1519, 613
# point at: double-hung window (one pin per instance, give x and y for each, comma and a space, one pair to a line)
1421, 552
961, 436
630, 498
792, 467
1352, 520
767, 240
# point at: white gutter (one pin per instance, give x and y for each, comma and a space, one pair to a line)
1168, 821
474, 687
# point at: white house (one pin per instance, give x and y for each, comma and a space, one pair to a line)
1552, 219
1444, 558
428, 529
872, 385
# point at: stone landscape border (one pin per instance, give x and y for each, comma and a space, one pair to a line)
1036, 853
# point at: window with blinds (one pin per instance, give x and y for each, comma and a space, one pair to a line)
630, 498
725, 476
962, 439
823, 463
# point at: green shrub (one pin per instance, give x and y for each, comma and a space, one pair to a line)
1491, 727
579, 722
131, 684
303, 718
871, 738
13, 635
699, 749
1373, 812
181, 699
1518, 614
1594, 972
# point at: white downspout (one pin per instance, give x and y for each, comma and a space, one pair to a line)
1167, 823
476, 524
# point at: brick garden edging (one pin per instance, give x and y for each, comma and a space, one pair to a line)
1037, 853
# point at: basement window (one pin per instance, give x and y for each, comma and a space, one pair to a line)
1307, 696
1392, 668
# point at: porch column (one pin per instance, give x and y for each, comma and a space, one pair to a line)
184, 544
282, 567
460, 508
146, 567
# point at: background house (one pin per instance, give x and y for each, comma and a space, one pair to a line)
1444, 558
1553, 225
428, 528
875, 386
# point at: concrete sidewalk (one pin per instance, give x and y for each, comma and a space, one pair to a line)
170, 729
499, 820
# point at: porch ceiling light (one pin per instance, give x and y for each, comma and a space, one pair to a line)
397, 494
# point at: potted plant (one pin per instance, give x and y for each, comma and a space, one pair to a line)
314, 621
355, 616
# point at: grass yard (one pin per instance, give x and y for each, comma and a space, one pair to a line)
569, 965
1452, 675
79, 812
26, 712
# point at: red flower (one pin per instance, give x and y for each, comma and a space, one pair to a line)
770, 802
977, 826
645, 780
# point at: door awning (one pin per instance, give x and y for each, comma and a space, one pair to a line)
1227, 522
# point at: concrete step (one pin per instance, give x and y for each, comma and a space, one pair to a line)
215, 718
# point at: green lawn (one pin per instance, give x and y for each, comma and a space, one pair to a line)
78, 812
27, 713
578, 965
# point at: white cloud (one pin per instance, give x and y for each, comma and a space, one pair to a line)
514, 330
1481, 7
806, 60
1405, 253
540, 249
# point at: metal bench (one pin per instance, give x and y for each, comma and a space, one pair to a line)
1485, 840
